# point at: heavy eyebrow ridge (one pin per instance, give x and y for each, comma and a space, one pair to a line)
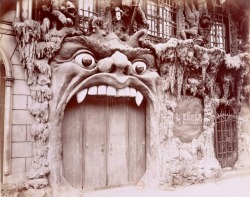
104, 49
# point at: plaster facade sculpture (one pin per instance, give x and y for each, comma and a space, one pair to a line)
62, 63
192, 17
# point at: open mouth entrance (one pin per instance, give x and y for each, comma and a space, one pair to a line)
104, 142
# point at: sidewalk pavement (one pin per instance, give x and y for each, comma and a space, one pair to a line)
227, 186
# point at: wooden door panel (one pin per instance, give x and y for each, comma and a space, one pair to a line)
94, 112
137, 154
72, 144
104, 142
117, 172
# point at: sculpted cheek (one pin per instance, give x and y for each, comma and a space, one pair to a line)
64, 73
149, 79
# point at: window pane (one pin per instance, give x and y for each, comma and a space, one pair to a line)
160, 18
217, 35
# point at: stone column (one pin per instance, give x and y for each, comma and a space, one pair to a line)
18, 11
30, 9
7, 127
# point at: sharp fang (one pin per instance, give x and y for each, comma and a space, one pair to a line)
132, 92
111, 91
138, 98
127, 91
121, 92
81, 95
92, 90
102, 90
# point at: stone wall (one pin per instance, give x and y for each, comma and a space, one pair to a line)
186, 163
181, 163
21, 140
21, 122
243, 137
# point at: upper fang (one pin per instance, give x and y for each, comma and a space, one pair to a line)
81, 95
138, 98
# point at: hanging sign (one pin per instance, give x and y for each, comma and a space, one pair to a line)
188, 118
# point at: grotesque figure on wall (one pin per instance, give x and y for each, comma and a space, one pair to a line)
125, 20
65, 64
192, 17
81, 66
87, 66
63, 12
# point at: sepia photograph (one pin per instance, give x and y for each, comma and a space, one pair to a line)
124, 98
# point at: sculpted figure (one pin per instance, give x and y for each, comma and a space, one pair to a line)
63, 10
192, 17
125, 20
66, 64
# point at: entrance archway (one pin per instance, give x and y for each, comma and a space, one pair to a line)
7, 82
226, 141
2, 104
104, 142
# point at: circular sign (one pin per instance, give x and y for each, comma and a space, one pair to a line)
188, 118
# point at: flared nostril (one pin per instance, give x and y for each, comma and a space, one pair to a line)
120, 64
112, 68
126, 70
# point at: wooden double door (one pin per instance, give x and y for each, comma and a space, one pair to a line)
104, 142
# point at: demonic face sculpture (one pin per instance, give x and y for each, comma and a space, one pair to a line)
87, 66
66, 65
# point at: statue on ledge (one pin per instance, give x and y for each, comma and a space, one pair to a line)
192, 16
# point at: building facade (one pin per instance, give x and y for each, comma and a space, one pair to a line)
99, 94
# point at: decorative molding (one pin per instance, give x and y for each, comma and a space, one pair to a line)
182, 67
7, 113
9, 82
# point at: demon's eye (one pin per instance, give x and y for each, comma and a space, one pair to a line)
85, 59
139, 66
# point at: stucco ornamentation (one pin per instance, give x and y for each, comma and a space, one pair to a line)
63, 63
37, 45
192, 17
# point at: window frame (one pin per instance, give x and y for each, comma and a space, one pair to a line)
217, 32
161, 16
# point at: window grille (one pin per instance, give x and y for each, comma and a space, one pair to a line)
161, 18
88, 8
226, 143
217, 33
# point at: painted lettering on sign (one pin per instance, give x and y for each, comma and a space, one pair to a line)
188, 119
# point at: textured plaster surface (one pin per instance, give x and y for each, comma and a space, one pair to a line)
184, 69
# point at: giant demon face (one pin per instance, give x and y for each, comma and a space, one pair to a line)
88, 67
102, 67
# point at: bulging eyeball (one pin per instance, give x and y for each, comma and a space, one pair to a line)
139, 66
85, 59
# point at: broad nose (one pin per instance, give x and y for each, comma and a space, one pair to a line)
121, 64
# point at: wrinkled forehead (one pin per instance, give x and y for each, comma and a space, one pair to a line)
100, 48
